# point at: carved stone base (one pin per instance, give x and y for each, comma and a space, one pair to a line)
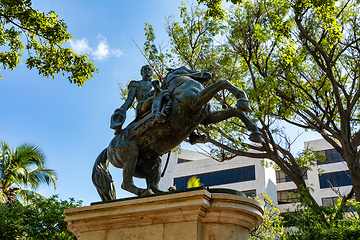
190, 215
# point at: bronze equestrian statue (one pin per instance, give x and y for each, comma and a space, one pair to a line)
165, 117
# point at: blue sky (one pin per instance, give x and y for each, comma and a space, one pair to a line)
70, 123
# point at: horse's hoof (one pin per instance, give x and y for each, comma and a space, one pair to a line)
256, 137
243, 105
162, 118
159, 118
146, 193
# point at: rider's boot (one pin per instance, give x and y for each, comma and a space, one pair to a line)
159, 117
243, 104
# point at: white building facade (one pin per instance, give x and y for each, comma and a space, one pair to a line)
252, 178
240, 173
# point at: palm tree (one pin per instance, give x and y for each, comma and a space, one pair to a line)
21, 168
194, 182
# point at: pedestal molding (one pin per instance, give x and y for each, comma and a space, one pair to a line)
194, 207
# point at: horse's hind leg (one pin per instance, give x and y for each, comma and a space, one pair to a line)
218, 116
153, 175
206, 94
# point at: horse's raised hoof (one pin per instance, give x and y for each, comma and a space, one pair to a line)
159, 118
146, 193
243, 105
256, 137
196, 138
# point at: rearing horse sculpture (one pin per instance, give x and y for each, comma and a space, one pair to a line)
138, 147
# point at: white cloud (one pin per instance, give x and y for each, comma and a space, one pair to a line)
80, 46
101, 52
117, 52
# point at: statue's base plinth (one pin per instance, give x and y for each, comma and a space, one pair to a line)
190, 215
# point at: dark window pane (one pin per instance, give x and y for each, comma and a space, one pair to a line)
181, 183
335, 179
332, 156
221, 177
180, 160
329, 201
282, 177
287, 196
250, 193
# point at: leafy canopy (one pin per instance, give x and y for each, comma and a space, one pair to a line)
45, 35
272, 227
43, 219
344, 224
285, 55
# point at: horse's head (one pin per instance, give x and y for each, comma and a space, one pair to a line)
200, 76
205, 76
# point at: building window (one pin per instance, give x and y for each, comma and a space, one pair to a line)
332, 156
287, 196
329, 201
180, 160
282, 177
250, 193
335, 179
219, 178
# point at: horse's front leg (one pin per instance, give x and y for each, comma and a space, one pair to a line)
153, 174
206, 94
218, 116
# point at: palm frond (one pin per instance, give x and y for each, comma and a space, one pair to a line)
28, 196
42, 176
3, 145
23, 167
29, 154
19, 175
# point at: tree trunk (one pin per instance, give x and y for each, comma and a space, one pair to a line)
354, 170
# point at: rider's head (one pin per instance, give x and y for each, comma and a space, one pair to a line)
146, 72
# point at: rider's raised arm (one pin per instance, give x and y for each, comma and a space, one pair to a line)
131, 96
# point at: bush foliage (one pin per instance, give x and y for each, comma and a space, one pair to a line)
43, 219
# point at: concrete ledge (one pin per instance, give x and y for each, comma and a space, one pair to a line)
186, 215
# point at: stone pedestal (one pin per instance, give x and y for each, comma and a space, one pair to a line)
190, 215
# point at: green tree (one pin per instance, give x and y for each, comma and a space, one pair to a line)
45, 34
344, 224
257, 52
23, 167
309, 68
272, 227
194, 41
43, 219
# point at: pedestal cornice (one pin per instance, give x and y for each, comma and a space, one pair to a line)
198, 208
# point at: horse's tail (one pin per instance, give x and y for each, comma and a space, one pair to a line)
102, 179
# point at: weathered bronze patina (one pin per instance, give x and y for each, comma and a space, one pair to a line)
164, 118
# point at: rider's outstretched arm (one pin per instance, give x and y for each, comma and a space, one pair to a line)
130, 98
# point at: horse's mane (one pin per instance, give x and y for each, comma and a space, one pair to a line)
181, 71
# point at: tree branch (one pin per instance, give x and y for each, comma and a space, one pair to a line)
343, 202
